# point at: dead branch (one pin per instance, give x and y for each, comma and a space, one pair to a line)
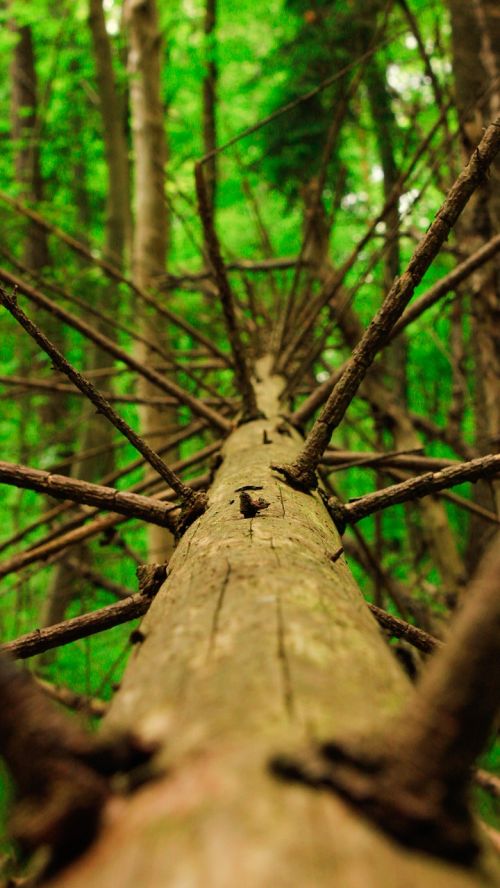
401, 629
41, 640
302, 472
489, 782
446, 284
164, 383
140, 487
45, 385
61, 487
60, 772
115, 274
182, 435
194, 503
334, 280
346, 459
243, 378
79, 702
421, 485
98, 580
96, 527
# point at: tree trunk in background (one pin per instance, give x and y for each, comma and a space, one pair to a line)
476, 64
25, 132
209, 122
113, 115
151, 217
95, 430
258, 641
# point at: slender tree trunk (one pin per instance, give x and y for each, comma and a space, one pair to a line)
151, 217
210, 99
25, 133
259, 641
476, 65
96, 432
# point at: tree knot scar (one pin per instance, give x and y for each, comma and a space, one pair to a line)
191, 510
337, 512
137, 636
250, 507
150, 578
298, 477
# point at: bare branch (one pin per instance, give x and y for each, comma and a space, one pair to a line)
115, 274
346, 459
401, 629
43, 551
194, 503
42, 640
302, 472
167, 385
70, 699
60, 487
422, 485
242, 371
446, 284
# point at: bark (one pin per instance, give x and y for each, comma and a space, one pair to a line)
244, 667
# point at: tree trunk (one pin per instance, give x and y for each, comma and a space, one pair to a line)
259, 641
95, 431
151, 218
476, 65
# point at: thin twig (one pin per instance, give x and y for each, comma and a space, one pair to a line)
79, 702
401, 629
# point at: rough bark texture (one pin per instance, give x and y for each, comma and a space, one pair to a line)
235, 667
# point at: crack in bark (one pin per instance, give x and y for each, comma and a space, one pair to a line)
284, 662
218, 609
280, 492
